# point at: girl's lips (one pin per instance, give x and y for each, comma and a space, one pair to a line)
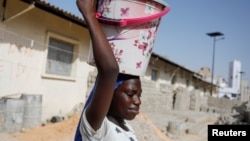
134, 110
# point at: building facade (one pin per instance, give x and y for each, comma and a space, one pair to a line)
44, 51
237, 88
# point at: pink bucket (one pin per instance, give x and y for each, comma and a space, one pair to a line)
131, 27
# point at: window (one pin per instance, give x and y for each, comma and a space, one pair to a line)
204, 90
61, 58
173, 80
196, 87
234, 95
154, 74
187, 82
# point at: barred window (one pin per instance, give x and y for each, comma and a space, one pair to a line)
154, 74
60, 57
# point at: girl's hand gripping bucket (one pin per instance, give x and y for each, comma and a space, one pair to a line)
130, 27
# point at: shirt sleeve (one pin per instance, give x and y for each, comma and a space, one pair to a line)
88, 132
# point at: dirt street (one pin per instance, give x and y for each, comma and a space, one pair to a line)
65, 130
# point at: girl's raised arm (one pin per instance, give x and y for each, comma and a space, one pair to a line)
106, 64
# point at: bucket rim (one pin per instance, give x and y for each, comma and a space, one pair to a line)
131, 21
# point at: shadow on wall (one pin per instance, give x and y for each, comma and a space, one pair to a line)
243, 111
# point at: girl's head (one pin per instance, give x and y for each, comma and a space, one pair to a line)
126, 99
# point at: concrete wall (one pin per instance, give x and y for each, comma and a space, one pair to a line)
155, 100
167, 98
223, 105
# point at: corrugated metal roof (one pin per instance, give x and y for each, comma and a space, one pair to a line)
48, 7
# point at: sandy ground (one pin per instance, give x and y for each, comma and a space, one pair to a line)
65, 130
60, 131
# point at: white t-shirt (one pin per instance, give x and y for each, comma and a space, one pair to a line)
107, 132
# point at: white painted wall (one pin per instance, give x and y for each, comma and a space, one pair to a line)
23, 51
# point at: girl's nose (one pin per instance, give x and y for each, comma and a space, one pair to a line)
137, 100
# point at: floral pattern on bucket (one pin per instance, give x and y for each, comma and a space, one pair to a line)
133, 44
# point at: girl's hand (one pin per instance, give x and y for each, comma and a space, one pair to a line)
86, 7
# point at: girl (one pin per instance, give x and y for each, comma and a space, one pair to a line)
115, 97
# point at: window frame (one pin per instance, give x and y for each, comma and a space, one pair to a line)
75, 58
156, 74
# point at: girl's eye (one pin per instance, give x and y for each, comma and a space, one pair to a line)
130, 94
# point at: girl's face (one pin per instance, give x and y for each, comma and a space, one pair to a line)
126, 100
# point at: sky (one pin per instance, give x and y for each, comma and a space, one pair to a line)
182, 35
